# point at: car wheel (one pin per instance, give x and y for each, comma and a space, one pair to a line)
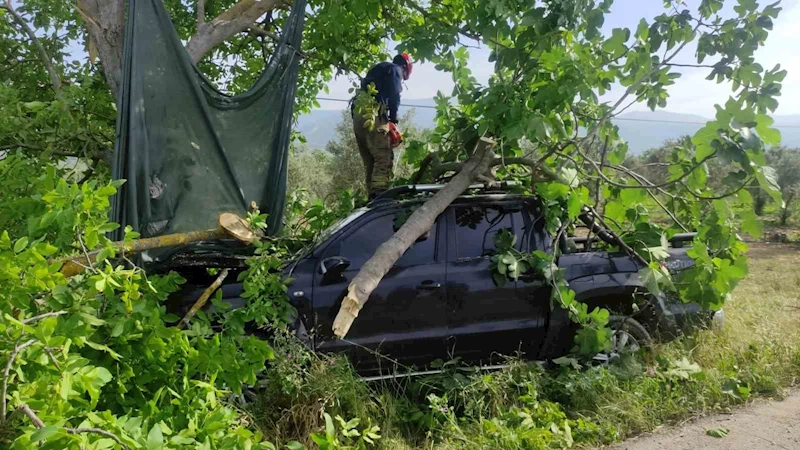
628, 336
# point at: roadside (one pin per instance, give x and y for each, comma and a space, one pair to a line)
764, 425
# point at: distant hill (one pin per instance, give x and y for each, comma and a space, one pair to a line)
641, 129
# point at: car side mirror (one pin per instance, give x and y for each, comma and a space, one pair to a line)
333, 267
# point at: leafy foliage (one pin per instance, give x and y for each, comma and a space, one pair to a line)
97, 351
349, 437
510, 264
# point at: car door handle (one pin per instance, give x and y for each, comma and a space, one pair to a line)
428, 285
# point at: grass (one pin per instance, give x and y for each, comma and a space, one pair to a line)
526, 407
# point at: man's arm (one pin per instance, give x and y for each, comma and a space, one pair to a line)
394, 95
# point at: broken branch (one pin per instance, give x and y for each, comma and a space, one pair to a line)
231, 225
203, 299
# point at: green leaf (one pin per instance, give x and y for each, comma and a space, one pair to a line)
330, 429
34, 106
570, 175
577, 199
155, 439
92, 320
46, 328
717, 432
770, 136
108, 227
65, 385
294, 445
43, 433
20, 245
499, 279
752, 225
104, 348
768, 180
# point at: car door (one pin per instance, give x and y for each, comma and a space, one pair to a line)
404, 319
532, 290
486, 321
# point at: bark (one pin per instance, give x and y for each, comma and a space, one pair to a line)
239, 17
230, 225
40, 50
418, 224
105, 22
203, 299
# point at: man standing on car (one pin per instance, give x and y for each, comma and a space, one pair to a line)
376, 142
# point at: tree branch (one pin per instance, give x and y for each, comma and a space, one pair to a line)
632, 88
462, 30
6, 374
201, 13
105, 433
43, 316
55, 81
239, 17
710, 66
38, 423
203, 299
25, 409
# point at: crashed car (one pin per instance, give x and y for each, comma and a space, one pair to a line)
440, 302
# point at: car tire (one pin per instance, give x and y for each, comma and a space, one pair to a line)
627, 336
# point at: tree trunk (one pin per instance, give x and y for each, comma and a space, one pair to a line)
105, 22
419, 223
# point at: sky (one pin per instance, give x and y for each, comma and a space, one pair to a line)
691, 94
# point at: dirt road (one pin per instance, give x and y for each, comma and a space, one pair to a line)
764, 425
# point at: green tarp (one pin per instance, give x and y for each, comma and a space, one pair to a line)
188, 151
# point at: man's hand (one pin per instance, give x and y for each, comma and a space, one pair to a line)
394, 134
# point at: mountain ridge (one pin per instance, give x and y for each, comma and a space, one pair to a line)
642, 130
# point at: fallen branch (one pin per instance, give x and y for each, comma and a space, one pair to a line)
203, 299
630, 251
373, 271
230, 225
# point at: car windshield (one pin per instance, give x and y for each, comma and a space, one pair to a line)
328, 232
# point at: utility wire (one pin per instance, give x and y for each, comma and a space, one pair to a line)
628, 119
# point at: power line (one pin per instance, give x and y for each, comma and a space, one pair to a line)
628, 119
348, 101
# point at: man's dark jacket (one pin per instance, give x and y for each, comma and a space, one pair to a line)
388, 79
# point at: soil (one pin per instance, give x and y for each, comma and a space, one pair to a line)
766, 424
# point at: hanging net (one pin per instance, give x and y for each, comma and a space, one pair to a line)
188, 151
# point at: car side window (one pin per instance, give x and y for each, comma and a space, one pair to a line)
361, 244
477, 226
535, 236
